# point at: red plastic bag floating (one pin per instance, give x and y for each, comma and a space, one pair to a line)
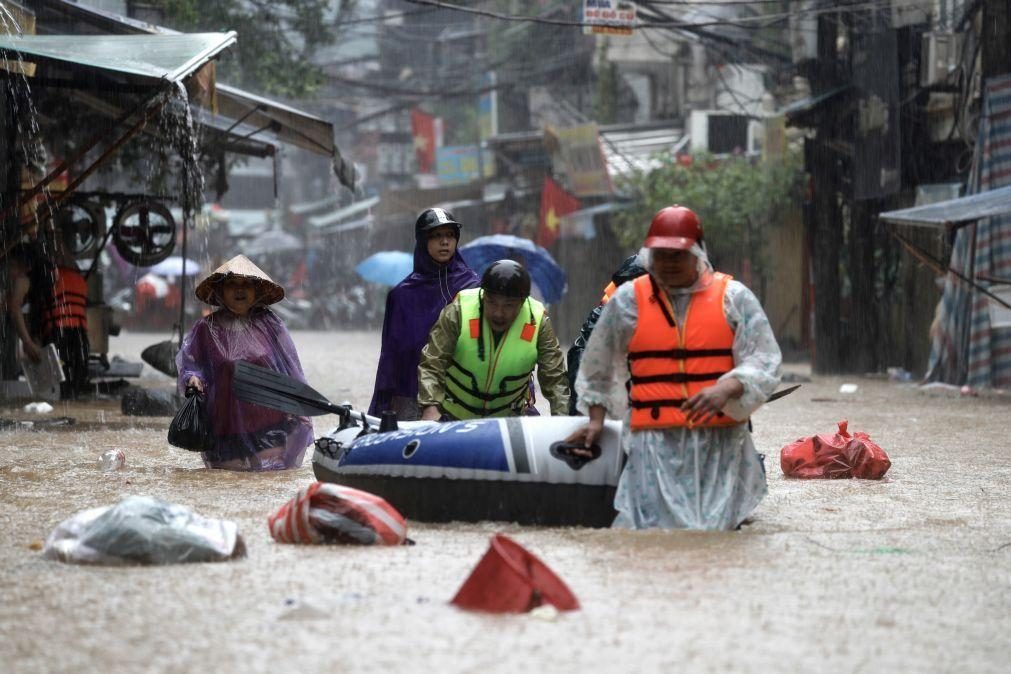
511, 579
834, 456
330, 513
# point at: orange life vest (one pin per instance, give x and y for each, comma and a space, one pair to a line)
608, 291
669, 366
70, 301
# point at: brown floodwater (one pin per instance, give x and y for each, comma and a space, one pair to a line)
910, 573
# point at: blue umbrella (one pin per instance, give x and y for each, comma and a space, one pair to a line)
544, 271
387, 267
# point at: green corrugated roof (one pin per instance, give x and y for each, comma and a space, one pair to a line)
157, 57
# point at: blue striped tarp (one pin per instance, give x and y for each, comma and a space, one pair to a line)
966, 348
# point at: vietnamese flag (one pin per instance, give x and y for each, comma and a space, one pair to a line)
425, 129
555, 202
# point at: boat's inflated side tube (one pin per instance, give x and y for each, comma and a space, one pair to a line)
515, 469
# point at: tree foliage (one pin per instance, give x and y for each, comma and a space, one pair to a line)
736, 199
277, 39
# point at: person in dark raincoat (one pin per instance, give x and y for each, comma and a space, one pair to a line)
247, 436
412, 308
630, 269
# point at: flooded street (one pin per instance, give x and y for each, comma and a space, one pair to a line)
912, 573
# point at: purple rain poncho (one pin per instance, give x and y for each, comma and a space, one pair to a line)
412, 308
249, 437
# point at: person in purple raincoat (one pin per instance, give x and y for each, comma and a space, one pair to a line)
248, 437
412, 308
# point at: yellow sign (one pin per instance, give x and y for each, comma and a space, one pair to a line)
584, 161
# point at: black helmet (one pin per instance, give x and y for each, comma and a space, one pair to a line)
506, 278
432, 218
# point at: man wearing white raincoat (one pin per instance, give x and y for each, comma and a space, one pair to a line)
685, 355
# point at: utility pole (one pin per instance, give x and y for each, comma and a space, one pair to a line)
825, 224
996, 58
9, 184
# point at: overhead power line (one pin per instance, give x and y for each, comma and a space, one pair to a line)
745, 22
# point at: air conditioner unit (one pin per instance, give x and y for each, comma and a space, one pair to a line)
719, 132
939, 57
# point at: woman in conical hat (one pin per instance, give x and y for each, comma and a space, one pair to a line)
249, 437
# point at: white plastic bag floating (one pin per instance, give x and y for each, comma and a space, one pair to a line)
143, 530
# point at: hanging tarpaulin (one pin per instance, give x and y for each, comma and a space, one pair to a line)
876, 152
582, 159
968, 345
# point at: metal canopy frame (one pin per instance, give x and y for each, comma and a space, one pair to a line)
954, 213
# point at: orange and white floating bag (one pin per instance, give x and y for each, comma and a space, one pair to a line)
330, 513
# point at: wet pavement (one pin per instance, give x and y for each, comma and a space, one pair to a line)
911, 573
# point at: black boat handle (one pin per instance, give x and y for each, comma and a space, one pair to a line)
563, 451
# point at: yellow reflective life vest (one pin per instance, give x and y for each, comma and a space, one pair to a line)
497, 384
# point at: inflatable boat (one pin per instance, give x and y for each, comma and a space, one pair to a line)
516, 469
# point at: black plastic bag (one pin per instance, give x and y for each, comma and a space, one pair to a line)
191, 428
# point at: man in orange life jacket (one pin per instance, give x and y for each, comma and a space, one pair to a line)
698, 356
482, 351
56, 295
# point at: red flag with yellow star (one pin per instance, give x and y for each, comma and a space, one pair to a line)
425, 129
555, 202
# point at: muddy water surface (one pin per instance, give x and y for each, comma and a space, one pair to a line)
912, 573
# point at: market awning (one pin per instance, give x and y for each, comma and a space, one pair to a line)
284, 122
219, 133
291, 126
954, 213
317, 206
340, 216
287, 124
639, 148
145, 58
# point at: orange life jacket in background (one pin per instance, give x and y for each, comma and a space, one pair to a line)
669, 366
70, 301
608, 292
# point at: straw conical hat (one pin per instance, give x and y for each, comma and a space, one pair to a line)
267, 291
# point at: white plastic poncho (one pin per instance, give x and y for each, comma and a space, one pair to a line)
681, 478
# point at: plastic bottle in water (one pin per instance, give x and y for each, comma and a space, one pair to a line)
112, 460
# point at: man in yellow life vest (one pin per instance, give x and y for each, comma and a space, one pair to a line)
699, 357
482, 351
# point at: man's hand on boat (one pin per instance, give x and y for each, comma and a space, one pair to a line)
431, 413
588, 434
